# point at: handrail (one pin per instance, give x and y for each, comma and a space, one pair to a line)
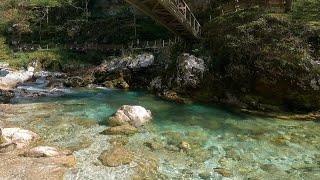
186, 14
175, 15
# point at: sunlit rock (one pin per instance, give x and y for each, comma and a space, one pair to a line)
21, 137
13, 78
136, 116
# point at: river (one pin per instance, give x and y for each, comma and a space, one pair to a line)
223, 143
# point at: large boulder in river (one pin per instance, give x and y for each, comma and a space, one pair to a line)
18, 136
134, 115
190, 71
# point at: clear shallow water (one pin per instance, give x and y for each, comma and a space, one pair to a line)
223, 144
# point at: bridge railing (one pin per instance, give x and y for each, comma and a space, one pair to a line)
83, 47
184, 13
155, 44
236, 5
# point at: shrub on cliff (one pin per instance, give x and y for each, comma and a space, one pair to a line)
266, 56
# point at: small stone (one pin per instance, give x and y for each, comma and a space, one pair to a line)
184, 146
121, 130
116, 157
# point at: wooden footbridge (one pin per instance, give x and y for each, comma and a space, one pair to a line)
175, 15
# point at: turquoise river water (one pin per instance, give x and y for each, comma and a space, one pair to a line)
223, 144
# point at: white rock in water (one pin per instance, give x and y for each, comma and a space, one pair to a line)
43, 151
134, 115
19, 136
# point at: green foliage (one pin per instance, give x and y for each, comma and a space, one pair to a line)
266, 55
306, 10
53, 59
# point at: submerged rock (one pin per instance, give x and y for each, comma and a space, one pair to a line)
17, 167
116, 157
136, 116
45, 151
224, 172
21, 137
121, 130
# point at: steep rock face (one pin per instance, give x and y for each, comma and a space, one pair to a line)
122, 72
190, 71
263, 62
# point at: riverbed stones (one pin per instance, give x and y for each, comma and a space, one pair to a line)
19, 136
18, 167
121, 130
136, 116
116, 157
45, 151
